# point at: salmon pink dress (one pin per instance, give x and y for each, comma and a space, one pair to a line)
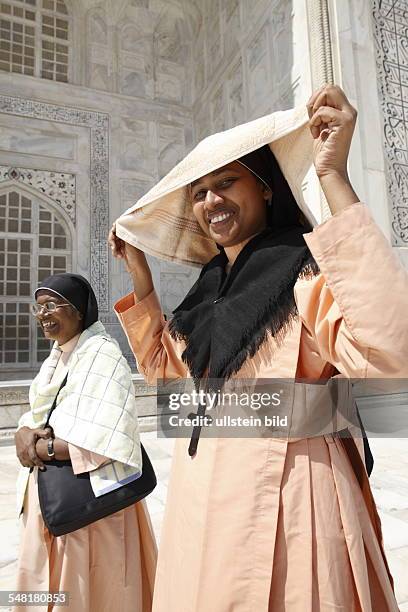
104, 567
286, 525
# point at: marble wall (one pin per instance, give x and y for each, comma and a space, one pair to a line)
138, 49
249, 59
372, 64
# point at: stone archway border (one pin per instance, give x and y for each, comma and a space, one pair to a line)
98, 125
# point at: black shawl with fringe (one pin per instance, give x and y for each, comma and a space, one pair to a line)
225, 318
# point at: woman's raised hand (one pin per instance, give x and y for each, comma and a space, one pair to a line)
331, 120
132, 256
135, 261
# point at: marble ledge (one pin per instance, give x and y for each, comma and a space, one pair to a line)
26, 87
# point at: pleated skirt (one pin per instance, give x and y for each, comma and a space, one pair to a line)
270, 525
328, 551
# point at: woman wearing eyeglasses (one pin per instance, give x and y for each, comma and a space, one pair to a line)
110, 563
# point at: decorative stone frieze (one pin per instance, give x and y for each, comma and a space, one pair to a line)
391, 39
59, 186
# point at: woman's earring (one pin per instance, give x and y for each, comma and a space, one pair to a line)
268, 196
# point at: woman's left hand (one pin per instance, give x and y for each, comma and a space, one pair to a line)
331, 120
25, 440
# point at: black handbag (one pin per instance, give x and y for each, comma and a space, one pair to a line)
67, 500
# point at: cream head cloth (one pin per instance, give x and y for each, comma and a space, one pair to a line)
162, 223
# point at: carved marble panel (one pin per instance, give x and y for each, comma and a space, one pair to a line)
282, 42
132, 83
259, 34
175, 282
59, 186
236, 96
202, 123
170, 38
258, 68
215, 46
136, 75
136, 64
231, 8
231, 26
287, 93
98, 124
198, 71
172, 290
13, 395
37, 142
218, 111
391, 37
136, 40
140, 3
254, 10
131, 190
170, 81
171, 147
97, 27
138, 147
99, 54
99, 77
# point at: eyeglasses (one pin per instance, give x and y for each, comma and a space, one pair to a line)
47, 308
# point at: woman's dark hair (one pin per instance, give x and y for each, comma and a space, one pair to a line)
283, 210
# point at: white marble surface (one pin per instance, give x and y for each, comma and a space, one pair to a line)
247, 61
389, 484
357, 73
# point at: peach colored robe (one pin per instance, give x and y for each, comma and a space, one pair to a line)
253, 525
108, 565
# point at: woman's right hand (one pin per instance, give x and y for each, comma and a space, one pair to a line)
25, 440
134, 258
135, 261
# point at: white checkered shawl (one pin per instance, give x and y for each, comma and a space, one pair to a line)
96, 410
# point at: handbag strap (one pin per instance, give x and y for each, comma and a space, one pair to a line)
54, 404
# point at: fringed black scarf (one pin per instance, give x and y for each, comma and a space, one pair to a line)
224, 319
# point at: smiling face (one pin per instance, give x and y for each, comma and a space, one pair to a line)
230, 204
61, 325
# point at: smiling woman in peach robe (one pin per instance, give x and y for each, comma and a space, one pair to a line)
268, 524
108, 564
